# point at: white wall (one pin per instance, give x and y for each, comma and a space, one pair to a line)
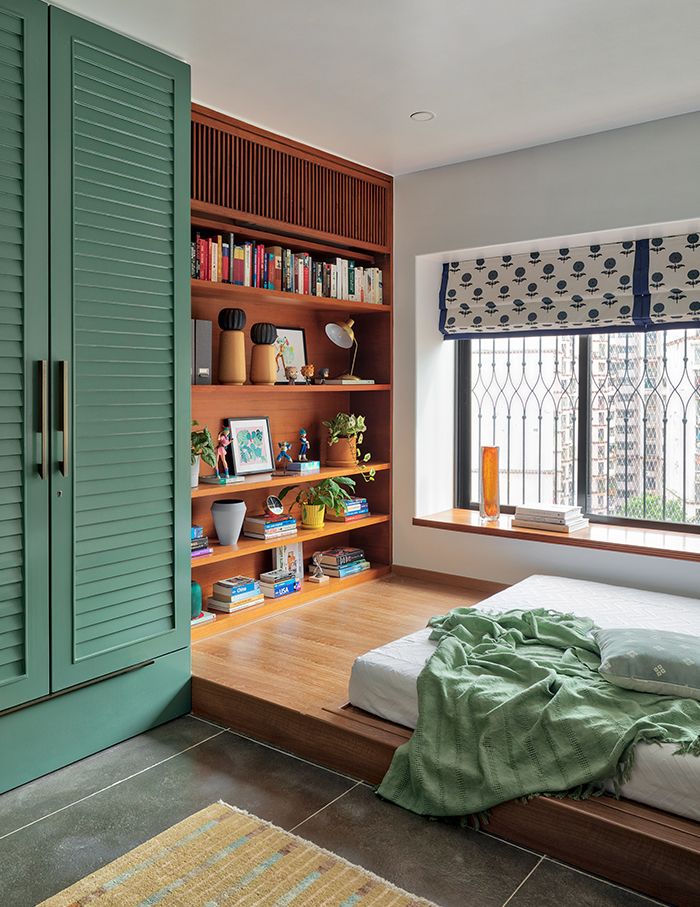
639, 175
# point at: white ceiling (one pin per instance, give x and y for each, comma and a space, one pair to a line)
344, 75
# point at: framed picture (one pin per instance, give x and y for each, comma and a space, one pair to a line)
251, 446
290, 349
290, 557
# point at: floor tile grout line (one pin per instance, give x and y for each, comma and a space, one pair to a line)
335, 800
108, 787
277, 749
603, 881
222, 727
513, 893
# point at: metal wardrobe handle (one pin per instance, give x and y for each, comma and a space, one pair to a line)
64, 416
44, 417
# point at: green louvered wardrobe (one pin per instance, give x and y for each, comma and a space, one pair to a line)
94, 388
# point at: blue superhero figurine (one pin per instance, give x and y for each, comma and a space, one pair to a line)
303, 446
283, 455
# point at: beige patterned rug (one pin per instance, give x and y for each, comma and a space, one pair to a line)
222, 855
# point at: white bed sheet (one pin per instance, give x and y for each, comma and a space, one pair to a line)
383, 681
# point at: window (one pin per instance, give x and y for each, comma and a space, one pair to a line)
607, 421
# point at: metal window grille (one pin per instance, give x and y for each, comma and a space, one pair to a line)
609, 421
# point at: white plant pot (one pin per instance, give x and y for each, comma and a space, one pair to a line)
228, 515
194, 475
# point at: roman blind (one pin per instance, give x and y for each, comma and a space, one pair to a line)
635, 285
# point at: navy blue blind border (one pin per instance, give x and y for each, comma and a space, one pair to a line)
637, 285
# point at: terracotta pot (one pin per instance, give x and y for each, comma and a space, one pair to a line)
263, 368
342, 453
232, 357
313, 516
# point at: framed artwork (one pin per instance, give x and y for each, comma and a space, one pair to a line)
290, 349
251, 446
290, 557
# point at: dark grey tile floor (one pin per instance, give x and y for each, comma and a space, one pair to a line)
62, 827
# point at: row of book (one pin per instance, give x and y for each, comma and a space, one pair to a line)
220, 259
235, 594
266, 526
199, 542
352, 509
552, 517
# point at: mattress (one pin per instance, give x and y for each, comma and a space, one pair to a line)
383, 681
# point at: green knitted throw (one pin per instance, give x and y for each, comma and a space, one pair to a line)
511, 705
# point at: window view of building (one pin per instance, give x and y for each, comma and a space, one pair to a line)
639, 405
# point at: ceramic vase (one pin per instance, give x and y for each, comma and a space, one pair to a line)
195, 600
489, 502
232, 357
313, 516
228, 515
194, 473
263, 367
342, 453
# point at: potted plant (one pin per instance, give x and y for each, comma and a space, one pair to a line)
314, 499
201, 448
345, 435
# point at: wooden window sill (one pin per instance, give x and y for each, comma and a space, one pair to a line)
684, 546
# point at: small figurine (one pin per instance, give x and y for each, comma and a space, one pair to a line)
323, 374
283, 455
291, 371
303, 446
222, 443
316, 574
307, 372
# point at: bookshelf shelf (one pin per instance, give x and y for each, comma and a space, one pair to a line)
248, 546
219, 390
309, 592
253, 483
232, 294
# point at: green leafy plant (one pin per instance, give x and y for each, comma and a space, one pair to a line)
345, 425
329, 493
202, 445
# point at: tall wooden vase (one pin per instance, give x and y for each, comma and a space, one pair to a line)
232, 346
263, 367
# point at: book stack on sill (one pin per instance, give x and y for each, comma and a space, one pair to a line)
352, 509
550, 517
278, 583
267, 527
235, 594
199, 542
341, 562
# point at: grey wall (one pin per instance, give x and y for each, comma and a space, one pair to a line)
639, 175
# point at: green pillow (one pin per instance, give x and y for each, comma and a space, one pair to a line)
651, 661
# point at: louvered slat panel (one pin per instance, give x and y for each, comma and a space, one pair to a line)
250, 172
124, 102
23, 340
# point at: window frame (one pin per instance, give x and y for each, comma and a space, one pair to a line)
463, 457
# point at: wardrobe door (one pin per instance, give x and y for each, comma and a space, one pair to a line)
24, 631
119, 158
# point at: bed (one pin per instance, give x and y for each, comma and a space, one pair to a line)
383, 681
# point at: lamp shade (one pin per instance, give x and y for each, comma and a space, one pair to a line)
341, 333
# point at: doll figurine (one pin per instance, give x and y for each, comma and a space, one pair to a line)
307, 372
283, 455
303, 446
291, 372
222, 444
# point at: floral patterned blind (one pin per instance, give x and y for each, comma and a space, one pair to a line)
636, 285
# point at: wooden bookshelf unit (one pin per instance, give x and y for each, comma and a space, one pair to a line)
268, 189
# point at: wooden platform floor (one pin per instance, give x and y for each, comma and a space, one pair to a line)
301, 659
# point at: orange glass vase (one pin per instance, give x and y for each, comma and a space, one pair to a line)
489, 504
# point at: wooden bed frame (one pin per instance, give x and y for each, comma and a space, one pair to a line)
645, 849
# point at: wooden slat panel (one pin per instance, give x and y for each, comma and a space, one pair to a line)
249, 172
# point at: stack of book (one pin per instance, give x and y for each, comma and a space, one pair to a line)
552, 517
234, 594
267, 527
351, 510
304, 468
204, 617
200, 542
341, 562
220, 259
278, 583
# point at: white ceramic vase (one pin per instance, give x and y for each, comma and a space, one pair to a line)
228, 515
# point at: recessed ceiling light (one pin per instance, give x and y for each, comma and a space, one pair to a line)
422, 116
